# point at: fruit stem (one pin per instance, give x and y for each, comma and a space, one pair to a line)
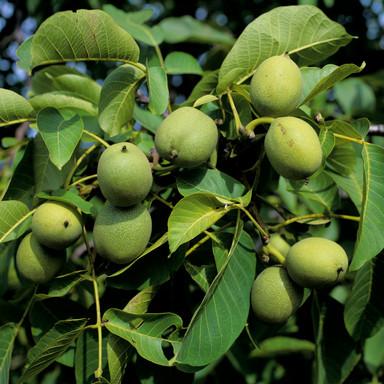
260, 229
78, 162
276, 255
254, 123
313, 216
97, 138
82, 180
99, 326
347, 138
239, 126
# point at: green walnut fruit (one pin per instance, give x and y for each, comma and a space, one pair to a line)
121, 234
316, 262
124, 174
13, 278
187, 137
56, 225
277, 242
276, 86
275, 297
37, 263
293, 148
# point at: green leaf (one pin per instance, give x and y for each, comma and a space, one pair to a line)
342, 159
182, 63
204, 100
327, 141
317, 80
47, 176
135, 27
8, 334
158, 90
192, 215
80, 36
374, 352
14, 109
63, 100
282, 345
146, 118
203, 275
67, 79
147, 338
13, 214
86, 357
336, 352
68, 196
355, 97
224, 307
369, 237
344, 128
186, 28
118, 352
140, 302
206, 85
25, 55
364, 309
118, 98
138, 17
54, 343
62, 285
60, 135
22, 185
352, 183
209, 180
320, 189
304, 31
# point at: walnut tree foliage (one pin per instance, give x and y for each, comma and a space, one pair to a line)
181, 309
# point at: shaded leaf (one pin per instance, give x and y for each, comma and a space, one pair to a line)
209, 180
24, 54
134, 25
146, 118
352, 183
118, 352
22, 184
81, 35
192, 215
203, 275
118, 98
225, 306
303, 30
86, 357
68, 196
282, 345
369, 237
205, 86
316, 80
8, 334
60, 135
182, 63
204, 100
336, 352
55, 342
137, 16
374, 352
148, 338
158, 90
47, 176
186, 28
14, 109
67, 79
364, 308
140, 302
13, 214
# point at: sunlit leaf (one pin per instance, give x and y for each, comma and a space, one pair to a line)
303, 30
80, 36
13, 214
14, 109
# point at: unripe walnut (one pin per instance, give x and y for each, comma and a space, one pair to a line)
276, 86
275, 297
187, 137
293, 148
316, 262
